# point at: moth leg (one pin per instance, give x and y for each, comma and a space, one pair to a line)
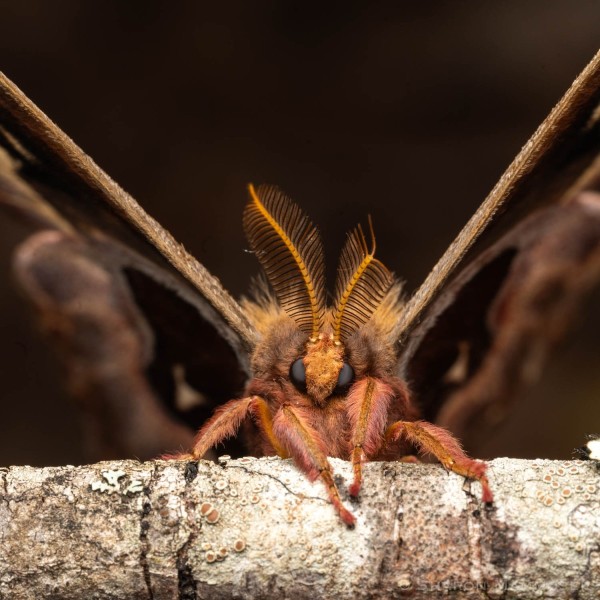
225, 423
264, 419
367, 404
409, 458
307, 448
429, 438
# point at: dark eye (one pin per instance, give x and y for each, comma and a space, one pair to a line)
298, 374
345, 377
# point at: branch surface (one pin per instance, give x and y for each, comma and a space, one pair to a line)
256, 528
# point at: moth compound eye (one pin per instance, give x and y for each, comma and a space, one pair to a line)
346, 376
298, 374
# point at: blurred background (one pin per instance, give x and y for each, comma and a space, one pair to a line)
409, 111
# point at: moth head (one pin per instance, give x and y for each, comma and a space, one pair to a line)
322, 371
289, 248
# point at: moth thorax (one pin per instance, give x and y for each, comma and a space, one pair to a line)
323, 362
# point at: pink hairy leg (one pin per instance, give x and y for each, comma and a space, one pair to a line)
225, 423
367, 405
291, 426
438, 441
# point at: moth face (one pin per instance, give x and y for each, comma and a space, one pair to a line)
315, 367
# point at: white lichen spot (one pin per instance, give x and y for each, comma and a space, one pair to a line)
206, 546
224, 459
221, 484
68, 492
594, 448
112, 477
110, 483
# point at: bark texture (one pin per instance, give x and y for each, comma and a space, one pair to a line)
255, 528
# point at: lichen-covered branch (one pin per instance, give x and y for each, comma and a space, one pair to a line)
256, 528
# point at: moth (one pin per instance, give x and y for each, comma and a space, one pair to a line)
323, 379
153, 348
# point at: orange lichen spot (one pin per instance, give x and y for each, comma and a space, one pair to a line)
205, 508
239, 545
210, 556
213, 516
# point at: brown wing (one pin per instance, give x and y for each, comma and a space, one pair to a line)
118, 295
480, 326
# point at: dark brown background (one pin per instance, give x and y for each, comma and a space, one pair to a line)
409, 111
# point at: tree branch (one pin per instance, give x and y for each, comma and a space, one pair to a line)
255, 528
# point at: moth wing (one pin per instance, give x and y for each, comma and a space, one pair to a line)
108, 281
480, 326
